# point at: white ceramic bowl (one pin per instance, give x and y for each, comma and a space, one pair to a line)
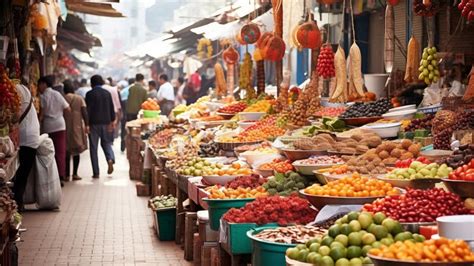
400, 115
257, 157
244, 125
218, 180
213, 106
401, 108
251, 116
456, 227
385, 130
308, 169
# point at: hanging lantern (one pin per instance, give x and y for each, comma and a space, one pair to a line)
308, 34
230, 55
426, 8
263, 39
273, 48
249, 33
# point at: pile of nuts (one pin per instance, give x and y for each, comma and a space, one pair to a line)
297, 234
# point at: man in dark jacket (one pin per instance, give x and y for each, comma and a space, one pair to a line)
101, 118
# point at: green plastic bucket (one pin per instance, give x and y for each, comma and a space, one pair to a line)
236, 236
218, 207
166, 224
267, 253
150, 113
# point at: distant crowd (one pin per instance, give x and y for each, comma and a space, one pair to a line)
77, 115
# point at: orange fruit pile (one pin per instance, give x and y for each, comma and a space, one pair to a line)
353, 186
439, 250
150, 105
238, 193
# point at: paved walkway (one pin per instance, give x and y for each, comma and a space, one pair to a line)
101, 222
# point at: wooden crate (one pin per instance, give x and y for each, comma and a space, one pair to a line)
155, 182
190, 228
143, 190
197, 243
206, 253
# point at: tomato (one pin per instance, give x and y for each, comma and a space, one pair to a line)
469, 176
471, 164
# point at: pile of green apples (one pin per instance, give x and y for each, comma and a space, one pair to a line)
348, 241
418, 170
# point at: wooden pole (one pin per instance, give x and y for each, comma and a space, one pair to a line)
278, 17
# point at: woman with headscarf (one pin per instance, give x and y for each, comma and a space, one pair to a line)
77, 126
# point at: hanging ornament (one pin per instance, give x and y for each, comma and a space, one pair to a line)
204, 44
230, 55
308, 34
274, 48
249, 33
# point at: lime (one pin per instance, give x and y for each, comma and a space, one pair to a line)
368, 239
366, 249
365, 220
314, 247
354, 252
376, 244
314, 259
352, 216
346, 229
302, 254
334, 230
342, 262
367, 260
343, 239
338, 253
326, 261
418, 238
292, 253
345, 219
355, 226
314, 240
301, 246
371, 227
338, 221
379, 217
386, 241
324, 250
379, 231
398, 228
403, 236
355, 262
336, 245
355, 239
389, 223
327, 240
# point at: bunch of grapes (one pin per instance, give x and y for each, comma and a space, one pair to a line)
442, 139
464, 120
420, 123
467, 9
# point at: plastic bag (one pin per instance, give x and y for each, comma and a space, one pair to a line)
29, 195
47, 183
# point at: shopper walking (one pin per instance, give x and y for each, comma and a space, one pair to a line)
165, 95
137, 94
53, 107
152, 89
77, 126
123, 101
83, 89
101, 117
181, 85
116, 101
29, 141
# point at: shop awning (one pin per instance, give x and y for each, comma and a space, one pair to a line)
72, 33
97, 8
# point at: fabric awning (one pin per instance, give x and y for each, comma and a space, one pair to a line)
94, 8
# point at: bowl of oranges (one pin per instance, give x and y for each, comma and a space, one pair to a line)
354, 189
221, 176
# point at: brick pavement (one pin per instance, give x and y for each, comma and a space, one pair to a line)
101, 222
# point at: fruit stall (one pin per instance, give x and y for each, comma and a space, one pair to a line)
326, 172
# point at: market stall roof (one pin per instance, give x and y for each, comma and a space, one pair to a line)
155, 44
72, 33
98, 8
215, 31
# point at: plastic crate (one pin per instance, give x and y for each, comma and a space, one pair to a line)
218, 207
236, 239
165, 223
266, 253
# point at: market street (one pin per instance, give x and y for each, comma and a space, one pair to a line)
101, 222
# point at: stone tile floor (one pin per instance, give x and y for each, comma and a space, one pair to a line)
100, 222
